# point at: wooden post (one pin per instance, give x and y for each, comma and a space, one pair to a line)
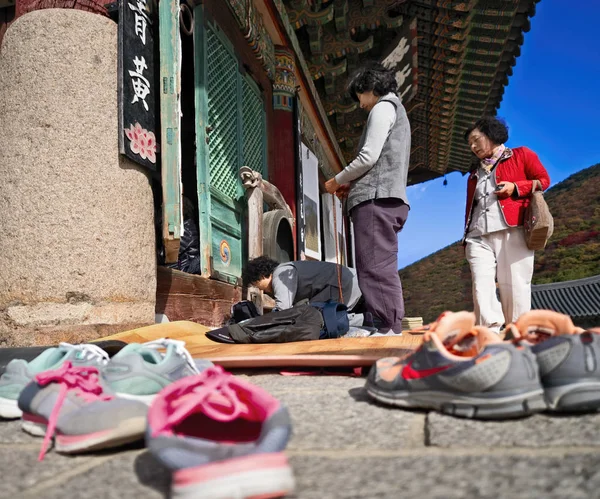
255, 233
255, 226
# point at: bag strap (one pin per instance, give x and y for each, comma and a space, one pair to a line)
536, 182
337, 253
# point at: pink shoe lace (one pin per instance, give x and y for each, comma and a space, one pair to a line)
83, 380
213, 392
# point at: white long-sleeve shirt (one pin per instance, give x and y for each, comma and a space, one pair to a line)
379, 124
487, 215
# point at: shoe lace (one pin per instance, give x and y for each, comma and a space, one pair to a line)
179, 350
211, 391
88, 352
84, 380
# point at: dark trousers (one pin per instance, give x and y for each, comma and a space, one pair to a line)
376, 225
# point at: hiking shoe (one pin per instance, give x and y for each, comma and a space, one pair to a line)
140, 371
222, 437
461, 370
71, 403
568, 358
19, 373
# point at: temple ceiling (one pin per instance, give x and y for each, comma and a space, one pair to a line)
452, 60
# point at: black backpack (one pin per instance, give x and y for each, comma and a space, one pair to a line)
313, 321
243, 310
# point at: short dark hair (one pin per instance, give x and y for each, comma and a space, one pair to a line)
493, 128
373, 76
258, 269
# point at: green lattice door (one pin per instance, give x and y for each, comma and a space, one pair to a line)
230, 133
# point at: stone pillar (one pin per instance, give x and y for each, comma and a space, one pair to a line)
77, 256
284, 93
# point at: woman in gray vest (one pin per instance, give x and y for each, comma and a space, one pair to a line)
375, 185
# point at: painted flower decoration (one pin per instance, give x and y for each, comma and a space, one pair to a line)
142, 142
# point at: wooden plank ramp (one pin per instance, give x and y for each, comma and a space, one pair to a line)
353, 352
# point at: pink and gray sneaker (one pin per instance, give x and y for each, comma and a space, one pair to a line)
462, 370
73, 407
222, 437
568, 357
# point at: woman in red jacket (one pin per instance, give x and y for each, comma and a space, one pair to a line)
498, 192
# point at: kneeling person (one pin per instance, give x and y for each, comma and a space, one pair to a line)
295, 282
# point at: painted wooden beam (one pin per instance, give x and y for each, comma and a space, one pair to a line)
170, 130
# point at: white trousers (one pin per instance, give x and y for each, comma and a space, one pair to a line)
504, 256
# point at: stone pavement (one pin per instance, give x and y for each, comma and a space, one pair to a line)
346, 447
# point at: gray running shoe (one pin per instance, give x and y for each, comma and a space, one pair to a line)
568, 358
222, 437
140, 371
19, 372
75, 408
461, 370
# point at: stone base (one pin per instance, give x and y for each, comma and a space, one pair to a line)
51, 323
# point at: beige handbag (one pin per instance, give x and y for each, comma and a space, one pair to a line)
538, 221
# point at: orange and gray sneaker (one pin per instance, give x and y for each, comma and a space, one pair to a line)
462, 370
568, 358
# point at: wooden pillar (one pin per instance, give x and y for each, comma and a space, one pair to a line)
255, 239
283, 175
255, 226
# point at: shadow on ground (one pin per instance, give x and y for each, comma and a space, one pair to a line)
152, 474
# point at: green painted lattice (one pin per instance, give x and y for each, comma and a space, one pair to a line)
222, 90
230, 133
253, 114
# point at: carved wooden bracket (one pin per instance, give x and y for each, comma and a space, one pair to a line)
252, 180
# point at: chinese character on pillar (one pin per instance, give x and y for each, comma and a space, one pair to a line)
138, 82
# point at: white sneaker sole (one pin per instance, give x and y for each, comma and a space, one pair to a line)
575, 397
34, 429
9, 409
466, 406
126, 432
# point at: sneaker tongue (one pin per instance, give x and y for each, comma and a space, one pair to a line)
538, 325
470, 343
148, 354
151, 355
460, 336
451, 327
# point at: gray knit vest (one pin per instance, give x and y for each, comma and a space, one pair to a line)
388, 177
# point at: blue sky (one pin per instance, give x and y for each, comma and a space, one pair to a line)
551, 105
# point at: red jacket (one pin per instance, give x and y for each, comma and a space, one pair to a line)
522, 168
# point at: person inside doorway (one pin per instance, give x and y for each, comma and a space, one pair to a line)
189, 245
